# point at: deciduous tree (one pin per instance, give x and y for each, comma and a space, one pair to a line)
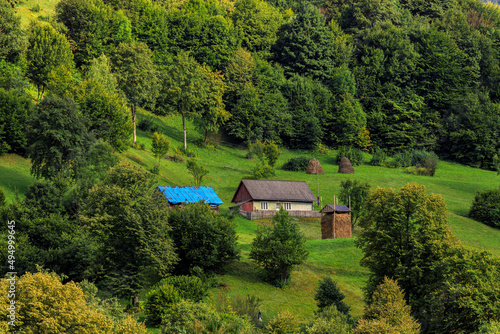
197, 171
192, 91
159, 145
36, 309
279, 248
202, 239
132, 229
137, 76
404, 235
47, 50
57, 137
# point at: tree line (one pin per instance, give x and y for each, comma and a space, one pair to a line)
399, 76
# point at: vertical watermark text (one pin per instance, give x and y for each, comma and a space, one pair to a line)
11, 248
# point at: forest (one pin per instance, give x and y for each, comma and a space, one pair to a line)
81, 86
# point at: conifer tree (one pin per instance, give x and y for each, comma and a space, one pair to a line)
388, 312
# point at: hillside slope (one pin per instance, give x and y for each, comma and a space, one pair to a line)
227, 164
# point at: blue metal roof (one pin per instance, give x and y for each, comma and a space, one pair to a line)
179, 195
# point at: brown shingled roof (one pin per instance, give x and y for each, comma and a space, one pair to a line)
293, 191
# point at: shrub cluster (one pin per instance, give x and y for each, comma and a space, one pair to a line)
378, 157
486, 207
355, 155
298, 164
421, 162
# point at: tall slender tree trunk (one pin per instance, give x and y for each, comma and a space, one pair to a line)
184, 128
133, 122
135, 300
206, 135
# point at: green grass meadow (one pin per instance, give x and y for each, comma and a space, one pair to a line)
227, 165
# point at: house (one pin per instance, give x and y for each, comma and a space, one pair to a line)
262, 198
177, 196
336, 223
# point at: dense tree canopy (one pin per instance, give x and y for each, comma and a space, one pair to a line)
57, 137
132, 229
404, 234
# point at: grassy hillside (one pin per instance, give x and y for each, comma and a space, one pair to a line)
227, 164
28, 10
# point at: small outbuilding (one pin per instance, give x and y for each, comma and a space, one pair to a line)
315, 167
336, 223
178, 196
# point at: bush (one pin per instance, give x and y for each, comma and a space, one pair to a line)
262, 172
354, 155
486, 207
402, 159
417, 171
489, 328
425, 162
329, 294
36, 8
187, 152
191, 318
284, 323
188, 287
329, 320
430, 164
161, 298
298, 164
378, 157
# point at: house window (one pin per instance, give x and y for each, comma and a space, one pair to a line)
278, 206
287, 206
263, 205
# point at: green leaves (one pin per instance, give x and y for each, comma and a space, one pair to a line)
328, 294
202, 239
279, 248
197, 171
57, 137
47, 50
159, 145
403, 235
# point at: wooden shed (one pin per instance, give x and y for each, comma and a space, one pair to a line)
336, 222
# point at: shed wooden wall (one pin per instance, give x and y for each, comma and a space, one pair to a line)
242, 194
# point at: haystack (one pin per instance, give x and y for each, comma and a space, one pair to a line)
312, 167
345, 166
335, 225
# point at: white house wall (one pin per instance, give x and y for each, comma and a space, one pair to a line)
296, 206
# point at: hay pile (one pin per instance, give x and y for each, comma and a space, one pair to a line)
312, 167
345, 166
336, 226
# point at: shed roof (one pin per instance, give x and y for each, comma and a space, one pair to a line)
179, 195
293, 191
335, 208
